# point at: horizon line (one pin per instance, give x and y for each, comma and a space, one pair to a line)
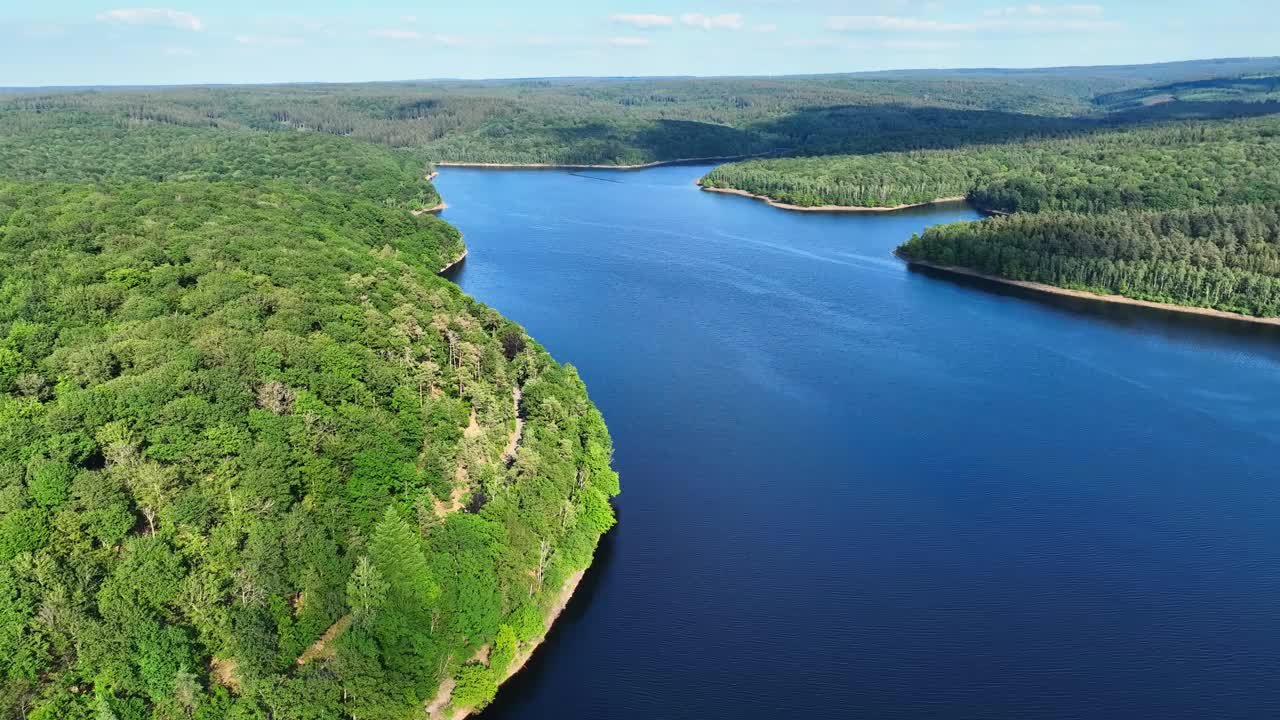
626, 78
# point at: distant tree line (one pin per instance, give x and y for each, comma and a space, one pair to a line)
632, 121
1166, 166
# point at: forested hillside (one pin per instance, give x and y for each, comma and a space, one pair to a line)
90, 147
586, 122
634, 121
1168, 166
1252, 88
256, 459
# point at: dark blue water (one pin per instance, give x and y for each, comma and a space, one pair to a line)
854, 490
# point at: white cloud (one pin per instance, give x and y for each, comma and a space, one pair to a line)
409, 18
287, 24
463, 41
630, 42
919, 45
644, 21
153, 16
1037, 10
541, 40
766, 28
857, 23
826, 43
1023, 21
1052, 25
396, 34
728, 21
271, 41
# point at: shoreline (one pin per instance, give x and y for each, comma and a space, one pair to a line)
562, 601
522, 658
830, 208
431, 210
455, 262
1086, 295
446, 691
573, 166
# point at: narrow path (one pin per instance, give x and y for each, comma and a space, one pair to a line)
441, 701
513, 443
320, 648
461, 480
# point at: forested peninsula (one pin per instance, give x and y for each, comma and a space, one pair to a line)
1220, 258
256, 458
1181, 214
1163, 166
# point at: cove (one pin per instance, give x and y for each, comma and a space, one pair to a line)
851, 489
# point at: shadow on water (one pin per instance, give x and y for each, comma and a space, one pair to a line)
455, 272
521, 686
1167, 323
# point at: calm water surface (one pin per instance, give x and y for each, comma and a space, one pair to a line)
854, 490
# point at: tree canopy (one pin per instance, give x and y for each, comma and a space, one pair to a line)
1164, 167
252, 447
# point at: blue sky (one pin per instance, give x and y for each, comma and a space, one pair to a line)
81, 42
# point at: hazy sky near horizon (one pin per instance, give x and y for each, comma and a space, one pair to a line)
82, 42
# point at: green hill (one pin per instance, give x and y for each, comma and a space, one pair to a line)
256, 458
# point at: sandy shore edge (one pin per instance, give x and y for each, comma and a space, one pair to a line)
553, 614
1116, 299
830, 208
556, 166
522, 658
454, 262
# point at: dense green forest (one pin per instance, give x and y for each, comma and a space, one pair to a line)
594, 121
234, 416
633, 121
1162, 167
78, 146
1226, 258
256, 459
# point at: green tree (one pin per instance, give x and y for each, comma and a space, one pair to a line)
367, 589
504, 650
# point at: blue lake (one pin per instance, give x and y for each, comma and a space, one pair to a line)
851, 489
